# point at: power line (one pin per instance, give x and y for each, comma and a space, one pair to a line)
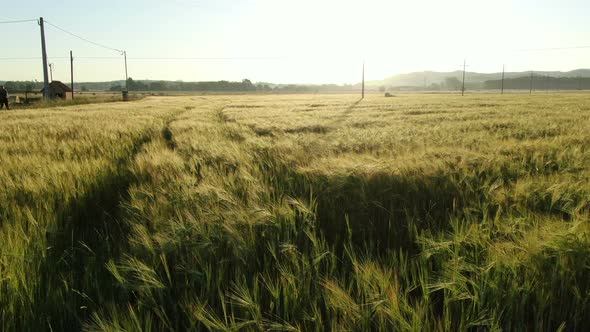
192, 58
240, 58
19, 21
60, 57
552, 48
151, 58
30, 58
84, 39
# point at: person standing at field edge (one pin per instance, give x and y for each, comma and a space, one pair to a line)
3, 97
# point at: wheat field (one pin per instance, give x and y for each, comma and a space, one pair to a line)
297, 213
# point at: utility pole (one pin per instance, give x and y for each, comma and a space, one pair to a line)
502, 88
126, 91
363, 84
72, 72
51, 71
126, 77
44, 54
531, 87
463, 86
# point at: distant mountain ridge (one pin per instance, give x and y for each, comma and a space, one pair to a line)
420, 79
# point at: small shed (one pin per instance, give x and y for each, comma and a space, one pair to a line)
59, 90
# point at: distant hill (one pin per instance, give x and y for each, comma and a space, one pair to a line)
425, 80
472, 79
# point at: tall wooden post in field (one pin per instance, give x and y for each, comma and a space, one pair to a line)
72, 72
126, 91
502, 88
463, 86
363, 84
126, 77
44, 55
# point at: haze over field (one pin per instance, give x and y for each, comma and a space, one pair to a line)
294, 41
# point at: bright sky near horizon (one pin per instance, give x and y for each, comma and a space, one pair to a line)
292, 41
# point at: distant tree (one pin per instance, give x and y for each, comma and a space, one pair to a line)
12, 86
452, 83
84, 88
133, 85
117, 87
247, 85
130, 83
158, 86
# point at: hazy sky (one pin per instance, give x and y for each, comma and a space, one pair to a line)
295, 41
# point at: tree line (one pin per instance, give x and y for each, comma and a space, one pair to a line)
540, 83
134, 85
449, 84
225, 86
163, 86
23, 86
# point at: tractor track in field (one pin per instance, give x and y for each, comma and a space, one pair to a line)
347, 111
90, 232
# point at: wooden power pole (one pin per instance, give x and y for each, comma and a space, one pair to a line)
72, 72
44, 55
502, 88
463, 86
363, 84
126, 77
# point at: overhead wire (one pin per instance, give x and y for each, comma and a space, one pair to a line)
17, 21
29, 58
209, 58
150, 58
122, 52
85, 39
231, 58
135, 58
215, 58
552, 48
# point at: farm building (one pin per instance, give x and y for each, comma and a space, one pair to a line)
59, 90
